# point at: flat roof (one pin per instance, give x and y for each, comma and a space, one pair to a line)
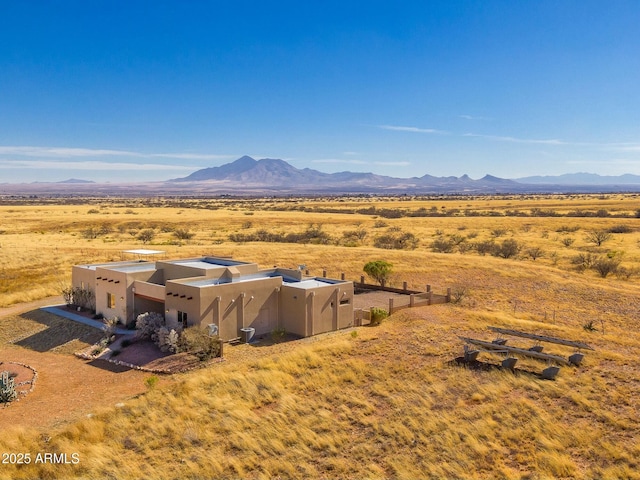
134, 267
114, 264
144, 251
197, 264
312, 283
204, 282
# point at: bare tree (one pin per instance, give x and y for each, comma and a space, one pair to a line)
598, 236
534, 252
604, 266
146, 235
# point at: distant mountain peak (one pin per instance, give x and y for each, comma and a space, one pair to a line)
76, 180
581, 178
277, 174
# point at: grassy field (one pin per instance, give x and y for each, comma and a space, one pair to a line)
371, 402
41, 239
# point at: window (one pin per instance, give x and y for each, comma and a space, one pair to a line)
182, 318
111, 300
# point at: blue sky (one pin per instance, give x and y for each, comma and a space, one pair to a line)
126, 91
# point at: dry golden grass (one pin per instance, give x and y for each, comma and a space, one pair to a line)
40, 242
386, 402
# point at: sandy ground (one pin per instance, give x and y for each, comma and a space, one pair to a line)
67, 388
377, 299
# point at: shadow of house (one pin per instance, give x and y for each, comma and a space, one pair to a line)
108, 366
55, 332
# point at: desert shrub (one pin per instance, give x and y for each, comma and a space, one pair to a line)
81, 297
624, 273
396, 241
8, 391
567, 241
457, 239
534, 252
278, 334
442, 245
109, 326
147, 324
377, 315
198, 342
183, 234
598, 237
382, 223
465, 247
605, 265
620, 229
90, 233
568, 229
379, 270
458, 293
583, 261
498, 232
485, 247
146, 235
167, 340
507, 249
390, 212
151, 382
353, 237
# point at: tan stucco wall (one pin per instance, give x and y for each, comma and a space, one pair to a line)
115, 283
264, 303
82, 277
293, 314
231, 306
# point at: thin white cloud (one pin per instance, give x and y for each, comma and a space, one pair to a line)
393, 164
473, 117
607, 162
61, 152
90, 165
72, 152
620, 146
518, 140
399, 128
338, 160
628, 147
188, 156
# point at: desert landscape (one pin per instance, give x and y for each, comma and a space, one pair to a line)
385, 401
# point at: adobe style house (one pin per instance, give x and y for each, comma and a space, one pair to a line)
229, 294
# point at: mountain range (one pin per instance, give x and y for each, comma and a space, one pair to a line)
248, 173
269, 176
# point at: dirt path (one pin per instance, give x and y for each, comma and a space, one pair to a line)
67, 388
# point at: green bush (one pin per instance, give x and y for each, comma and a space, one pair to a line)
377, 315
379, 270
151, 382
